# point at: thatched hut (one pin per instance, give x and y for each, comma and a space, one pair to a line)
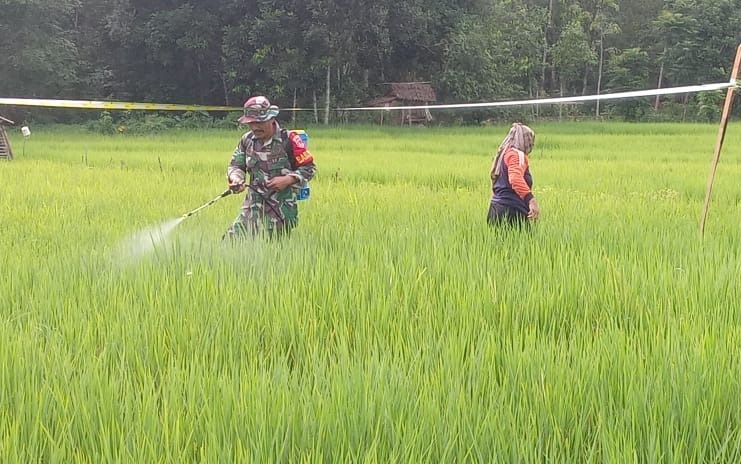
407, 94
6, 153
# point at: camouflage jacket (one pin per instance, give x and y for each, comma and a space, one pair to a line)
284, 154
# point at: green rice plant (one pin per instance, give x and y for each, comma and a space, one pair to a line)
394, 325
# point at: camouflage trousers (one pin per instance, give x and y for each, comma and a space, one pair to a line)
269, 218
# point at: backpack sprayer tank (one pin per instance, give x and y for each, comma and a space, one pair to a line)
304, 191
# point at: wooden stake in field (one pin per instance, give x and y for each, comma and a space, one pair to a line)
6, 153
721, 135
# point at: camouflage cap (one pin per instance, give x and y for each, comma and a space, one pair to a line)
258, 109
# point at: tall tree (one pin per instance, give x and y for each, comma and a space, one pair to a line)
572, 55
492, 54
628, 70
669, 28
339, 51
602, 24
38, 55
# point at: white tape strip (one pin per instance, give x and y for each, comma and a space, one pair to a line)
103, 105
546, 101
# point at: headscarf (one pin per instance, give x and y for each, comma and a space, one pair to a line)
520, 137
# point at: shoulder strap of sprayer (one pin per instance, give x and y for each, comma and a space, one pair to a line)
288, 146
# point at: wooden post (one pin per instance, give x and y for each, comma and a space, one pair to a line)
6, 152
721, 135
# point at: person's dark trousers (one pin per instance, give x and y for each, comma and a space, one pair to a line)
502, 215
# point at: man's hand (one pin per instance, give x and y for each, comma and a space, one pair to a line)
281, 182
236, 185
534, 212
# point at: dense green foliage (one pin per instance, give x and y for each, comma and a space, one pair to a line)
331, 53
394, 325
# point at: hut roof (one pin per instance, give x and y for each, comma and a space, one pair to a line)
382, 101
412, 91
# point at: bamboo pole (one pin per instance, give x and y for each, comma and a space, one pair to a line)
721, 135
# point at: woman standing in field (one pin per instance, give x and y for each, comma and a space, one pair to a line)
512, 200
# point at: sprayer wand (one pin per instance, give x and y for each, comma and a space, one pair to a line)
226, 192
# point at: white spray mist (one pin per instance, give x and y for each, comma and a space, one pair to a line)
145, 241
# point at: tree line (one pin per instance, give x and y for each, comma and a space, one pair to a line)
325, 54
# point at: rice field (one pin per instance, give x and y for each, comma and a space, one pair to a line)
394, 325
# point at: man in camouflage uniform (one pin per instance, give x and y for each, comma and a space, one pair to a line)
278, 164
